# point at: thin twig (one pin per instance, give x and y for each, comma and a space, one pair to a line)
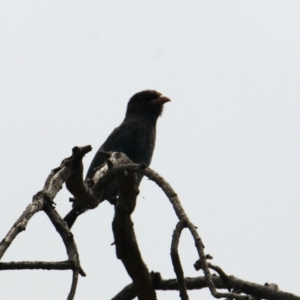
66, 236
38, 265
176, 259
71, 295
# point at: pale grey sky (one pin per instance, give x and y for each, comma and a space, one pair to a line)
228, 143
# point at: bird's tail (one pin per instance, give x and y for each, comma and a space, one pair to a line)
72, 215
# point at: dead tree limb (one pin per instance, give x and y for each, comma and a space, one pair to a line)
176, 260
197, 283
179, 211
44, 200
127, 248
21, 224
38, 265
85, 196
120, 168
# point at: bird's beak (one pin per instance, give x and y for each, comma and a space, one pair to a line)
161, 100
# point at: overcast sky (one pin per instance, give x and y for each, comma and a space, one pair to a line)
228, 142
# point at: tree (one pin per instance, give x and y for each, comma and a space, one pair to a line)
120, 168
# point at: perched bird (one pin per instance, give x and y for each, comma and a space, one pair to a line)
135, 137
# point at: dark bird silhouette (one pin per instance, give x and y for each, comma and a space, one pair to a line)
135, 137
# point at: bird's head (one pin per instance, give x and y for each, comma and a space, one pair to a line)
147, 103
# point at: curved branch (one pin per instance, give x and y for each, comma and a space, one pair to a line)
172, 196
182, 216
66, 236
73, 286
176, 259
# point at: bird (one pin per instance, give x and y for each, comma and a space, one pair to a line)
135, 137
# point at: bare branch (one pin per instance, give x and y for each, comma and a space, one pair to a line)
120, 168
172, 196
71, 295
66, 236
257, 290
126, 244
38, 265
85, 196
43, 200
176, 259
20, 225
52, 186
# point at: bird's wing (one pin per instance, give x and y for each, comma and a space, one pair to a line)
122, 139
